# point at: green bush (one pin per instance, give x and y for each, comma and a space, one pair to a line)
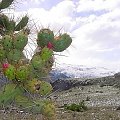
81, 107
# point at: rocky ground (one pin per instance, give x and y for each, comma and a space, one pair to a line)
102, 103
101, 96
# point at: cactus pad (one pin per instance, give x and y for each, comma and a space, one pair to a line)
22, 73
11, 27
24, 103
20, 40
35, 106
9, 93
49, 110
62, 42
4, 20
33, 85
14, 56
5, 3
22, 23
44, 37
10, 72
7, 42
46, 54
2, 53
37, 62
45, 88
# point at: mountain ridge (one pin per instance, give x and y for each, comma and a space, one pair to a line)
64, 71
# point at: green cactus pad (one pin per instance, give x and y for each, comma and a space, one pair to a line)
23, 102
33, 85
35, 73
10, 72
7, 42
22, 23
22, 73
44, 37
5, 3
45, 88
49, 63
37, 62
46, 54
20, 40
4, 23
7, 26
4, 20
44, 71
35, 107
9, 93
49, 111
10, 28
2, 53
62, 42
40, 105
14, 56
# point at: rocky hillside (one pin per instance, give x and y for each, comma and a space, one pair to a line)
66, 84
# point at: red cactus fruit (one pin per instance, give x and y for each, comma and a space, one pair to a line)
5, 65
49, 45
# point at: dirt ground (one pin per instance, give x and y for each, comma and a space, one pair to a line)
96, 113
102, 105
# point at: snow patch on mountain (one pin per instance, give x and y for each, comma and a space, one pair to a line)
79, 71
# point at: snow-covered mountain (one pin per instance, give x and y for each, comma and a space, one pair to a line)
79, 71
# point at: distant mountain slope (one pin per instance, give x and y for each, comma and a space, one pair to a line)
79, 71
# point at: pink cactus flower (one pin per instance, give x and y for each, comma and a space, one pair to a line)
49, 45
5, 65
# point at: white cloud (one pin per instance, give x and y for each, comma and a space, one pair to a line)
37, 1
30, 1
60, 16
95, 5
96, 38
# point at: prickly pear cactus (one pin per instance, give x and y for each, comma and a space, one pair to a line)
14, 56
22, 23
27, 76
10, 72
7, 42
2, 53
37, 62
5, 3
33, 85
45, 88
9, 93
46, 54
4, 21
62, 42
20, 40
6, 26
49, 110
22, 73
44, 37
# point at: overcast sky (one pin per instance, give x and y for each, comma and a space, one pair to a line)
94, 26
